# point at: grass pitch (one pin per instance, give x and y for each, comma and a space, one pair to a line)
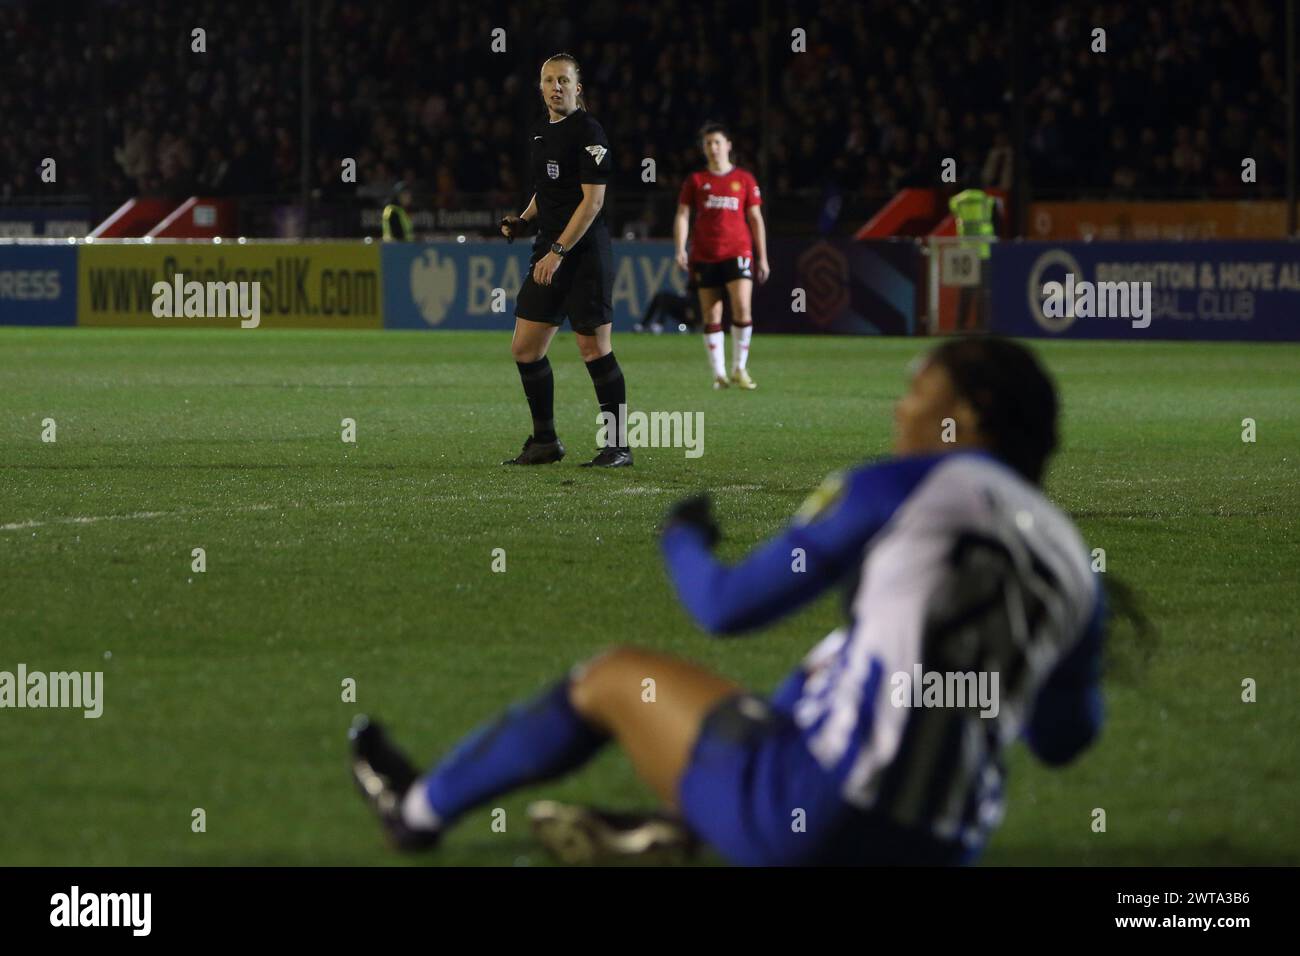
373, 561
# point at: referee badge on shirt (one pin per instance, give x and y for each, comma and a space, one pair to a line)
553, 169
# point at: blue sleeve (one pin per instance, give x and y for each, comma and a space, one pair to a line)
775, 578
1067, 714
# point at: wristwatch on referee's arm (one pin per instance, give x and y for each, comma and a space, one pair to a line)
557, 249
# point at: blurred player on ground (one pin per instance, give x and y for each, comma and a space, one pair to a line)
726, 202
954, 563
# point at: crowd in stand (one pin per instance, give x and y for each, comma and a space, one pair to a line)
878, 95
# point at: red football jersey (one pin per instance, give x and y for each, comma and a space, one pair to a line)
719, 202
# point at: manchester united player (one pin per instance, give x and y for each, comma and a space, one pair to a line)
726, 202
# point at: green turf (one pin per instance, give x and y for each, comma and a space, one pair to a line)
373, 561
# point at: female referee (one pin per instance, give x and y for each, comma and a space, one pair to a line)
726, 202
955, 564
571, 271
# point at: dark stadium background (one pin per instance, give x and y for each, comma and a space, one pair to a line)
409, 89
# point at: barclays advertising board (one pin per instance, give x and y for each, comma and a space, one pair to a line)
473, 285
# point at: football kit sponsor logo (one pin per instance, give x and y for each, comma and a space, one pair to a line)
722, 202
597, 153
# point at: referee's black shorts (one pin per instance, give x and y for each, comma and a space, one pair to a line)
582, 289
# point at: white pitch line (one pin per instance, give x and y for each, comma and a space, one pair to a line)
134, 516
150, 515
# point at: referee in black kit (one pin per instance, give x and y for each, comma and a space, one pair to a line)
571, 271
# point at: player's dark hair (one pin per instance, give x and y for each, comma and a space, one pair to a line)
577, 70
1017, 404
1011, 393
710, 128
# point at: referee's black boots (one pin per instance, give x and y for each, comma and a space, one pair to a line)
538, 453
610, 457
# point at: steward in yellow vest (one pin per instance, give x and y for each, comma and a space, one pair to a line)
973, 209
397, 220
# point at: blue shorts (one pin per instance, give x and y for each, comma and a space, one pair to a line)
755, 794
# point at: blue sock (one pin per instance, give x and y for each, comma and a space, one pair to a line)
530, 742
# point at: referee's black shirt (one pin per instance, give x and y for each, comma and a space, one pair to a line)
564, 156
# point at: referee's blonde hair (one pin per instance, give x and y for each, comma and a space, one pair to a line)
577, 70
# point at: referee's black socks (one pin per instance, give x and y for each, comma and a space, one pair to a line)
539, 389
611, 389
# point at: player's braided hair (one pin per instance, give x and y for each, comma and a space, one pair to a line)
577, 71
1011, 393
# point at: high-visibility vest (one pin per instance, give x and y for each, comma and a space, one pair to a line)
973, 209
404, 229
